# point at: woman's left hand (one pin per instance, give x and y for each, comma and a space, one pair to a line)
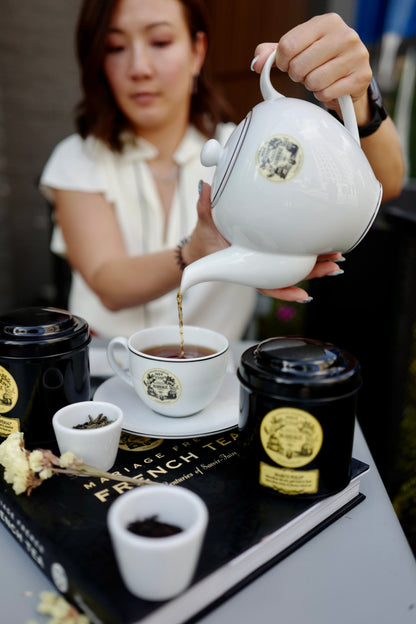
325, 265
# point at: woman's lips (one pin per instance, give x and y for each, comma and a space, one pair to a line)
145, 97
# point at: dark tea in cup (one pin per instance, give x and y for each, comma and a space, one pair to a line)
175, 352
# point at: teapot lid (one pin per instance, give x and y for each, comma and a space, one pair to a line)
295, 368
231, 150
40, 332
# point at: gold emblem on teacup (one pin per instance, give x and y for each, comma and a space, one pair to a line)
131, 442
162, 386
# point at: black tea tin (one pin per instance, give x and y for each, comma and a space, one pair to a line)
44, 365
298, 401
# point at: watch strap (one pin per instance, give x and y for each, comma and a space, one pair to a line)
378, 110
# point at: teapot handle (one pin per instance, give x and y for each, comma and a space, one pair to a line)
347, 108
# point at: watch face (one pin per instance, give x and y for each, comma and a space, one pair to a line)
376, 98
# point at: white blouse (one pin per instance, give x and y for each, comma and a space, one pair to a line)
126, 181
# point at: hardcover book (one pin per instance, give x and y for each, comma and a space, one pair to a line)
62, 526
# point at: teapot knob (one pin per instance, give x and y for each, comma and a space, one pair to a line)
211, 152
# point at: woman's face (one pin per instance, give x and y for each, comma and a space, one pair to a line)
151, 62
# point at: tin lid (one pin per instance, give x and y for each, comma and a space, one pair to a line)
299, 368
41, 332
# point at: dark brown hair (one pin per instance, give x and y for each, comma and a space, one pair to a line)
97, 113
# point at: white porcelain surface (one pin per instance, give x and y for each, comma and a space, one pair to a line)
158, 568
291, 183
172, 387
96, 447
220, 415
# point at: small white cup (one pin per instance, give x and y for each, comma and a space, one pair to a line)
172, 387
158, 568
96, 446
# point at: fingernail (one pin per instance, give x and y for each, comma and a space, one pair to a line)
253, 62
199, 187
342, 259
307, 300
339, 272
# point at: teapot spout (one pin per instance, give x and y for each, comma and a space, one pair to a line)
248, 267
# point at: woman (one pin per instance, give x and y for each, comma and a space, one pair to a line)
125, 187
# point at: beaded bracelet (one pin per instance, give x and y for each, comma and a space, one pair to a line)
178, 253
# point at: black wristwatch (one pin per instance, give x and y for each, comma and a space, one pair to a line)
377, 108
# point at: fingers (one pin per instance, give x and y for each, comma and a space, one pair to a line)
204, 202
336, 257
261, 54
323, 268
205, 238
324, 54
291, 293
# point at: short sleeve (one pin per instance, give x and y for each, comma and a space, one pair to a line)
74, 165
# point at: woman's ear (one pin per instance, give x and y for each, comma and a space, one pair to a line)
200, 46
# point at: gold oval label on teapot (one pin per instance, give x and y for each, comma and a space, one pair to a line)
162, 386
291, 437
8, 391
279, 158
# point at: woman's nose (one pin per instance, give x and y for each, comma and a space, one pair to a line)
140, 64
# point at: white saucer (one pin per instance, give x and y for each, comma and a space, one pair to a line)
139, 419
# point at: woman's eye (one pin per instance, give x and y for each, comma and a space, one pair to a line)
161, 43
112, 49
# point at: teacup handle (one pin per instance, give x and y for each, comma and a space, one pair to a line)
347, 108
119, 341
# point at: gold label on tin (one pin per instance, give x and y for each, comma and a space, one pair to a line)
287, 481
291, 437
162, 386
8, 426
8, 391
279, 158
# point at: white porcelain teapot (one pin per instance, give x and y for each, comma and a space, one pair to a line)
291, 183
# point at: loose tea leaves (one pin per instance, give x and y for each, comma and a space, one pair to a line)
152, 527
94, 423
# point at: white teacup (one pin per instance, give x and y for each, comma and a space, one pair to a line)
158, 568
96, 446
172, 386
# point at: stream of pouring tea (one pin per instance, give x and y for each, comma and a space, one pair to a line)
180, 314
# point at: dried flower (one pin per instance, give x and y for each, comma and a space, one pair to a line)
69, 460
26, 470
36, 461
15, 461
61, 611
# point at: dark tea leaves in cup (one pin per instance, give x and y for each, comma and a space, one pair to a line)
94, 423
152, 527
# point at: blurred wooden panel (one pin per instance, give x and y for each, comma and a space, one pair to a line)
238, 26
